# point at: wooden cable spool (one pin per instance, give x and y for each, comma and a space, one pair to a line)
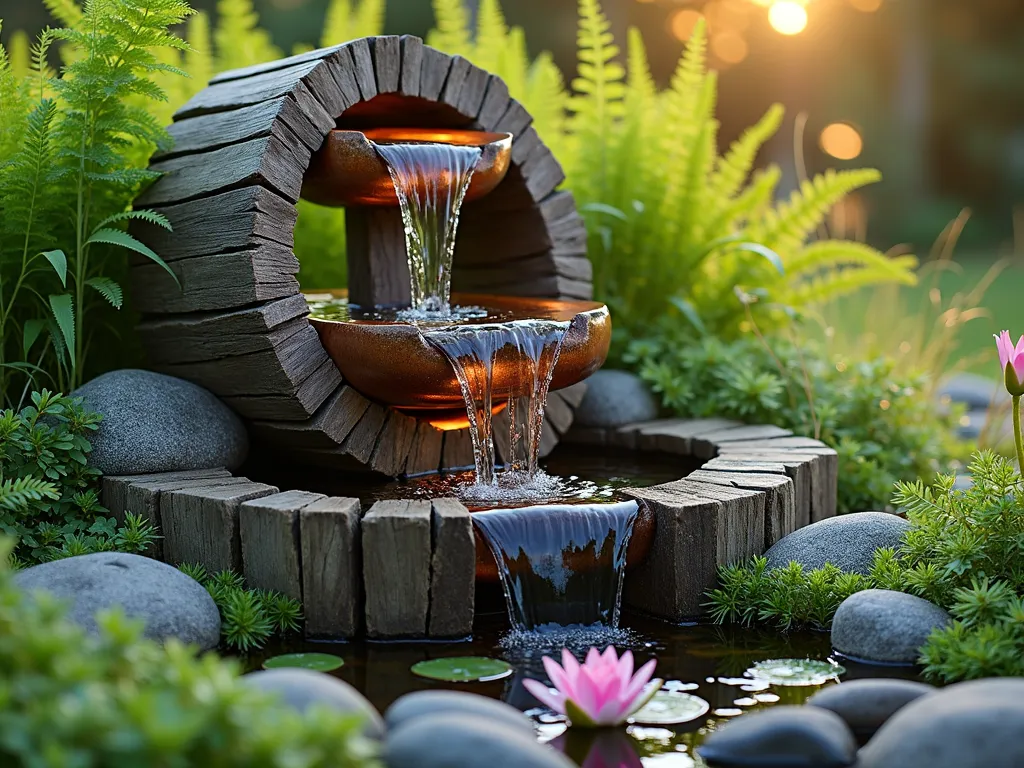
229, 188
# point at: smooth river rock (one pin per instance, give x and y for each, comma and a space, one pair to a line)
967, 725
883, 626
866, 705
302, 688
794, 737
974, 391
615, 398
170, 603
848, 542
458, 740
425, 703
157, 423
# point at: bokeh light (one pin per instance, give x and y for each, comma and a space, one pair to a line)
842, 141
683, 22
787, 17
729, 47
867, 6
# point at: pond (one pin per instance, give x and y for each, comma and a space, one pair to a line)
706, 661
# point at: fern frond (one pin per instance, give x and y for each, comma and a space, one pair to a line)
787, 226
369, 18
18, 494
734, 167
451, 33
546, 99
108, 289
240, 41
20, 55
513, 65
491, 35
833, 284
199, 59
337, 23
13, 107
829, 254
67, 12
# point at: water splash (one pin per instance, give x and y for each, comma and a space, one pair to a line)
431, 181
474, 351
561, 565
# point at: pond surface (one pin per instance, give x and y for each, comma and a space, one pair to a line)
705, 661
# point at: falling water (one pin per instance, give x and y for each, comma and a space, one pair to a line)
474, 351
431, 181
561, 565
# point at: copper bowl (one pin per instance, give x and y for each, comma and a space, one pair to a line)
347, 170
391, 362
639, 546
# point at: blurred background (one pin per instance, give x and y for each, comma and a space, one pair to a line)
928, 91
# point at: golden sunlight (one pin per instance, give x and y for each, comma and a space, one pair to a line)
683, 22
842, 141
787, 17
729, 47
867, 6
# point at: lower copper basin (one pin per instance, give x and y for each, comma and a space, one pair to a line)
347, 170
639, 545
391, 362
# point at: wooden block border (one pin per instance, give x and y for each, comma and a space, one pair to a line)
229, 187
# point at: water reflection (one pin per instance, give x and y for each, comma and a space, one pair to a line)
604, 748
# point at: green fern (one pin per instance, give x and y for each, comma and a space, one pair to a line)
452, 33
347, 20
240, 42
16, 494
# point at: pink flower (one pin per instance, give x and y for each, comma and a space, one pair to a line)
1011, 360
602, 691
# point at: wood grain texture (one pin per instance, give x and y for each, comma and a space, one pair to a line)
433, 72
201, 524
366, 77
412, 66
457, 451
332, 578
425, 451
269, 534
327, 428
391, 454
699, 527
223, 95
471, 95
779, 503
453, 571
496, 101
189, 340
362, 440
378, 269
396, 539
276, 65
458, 71
387, 62
290, 406
515, 119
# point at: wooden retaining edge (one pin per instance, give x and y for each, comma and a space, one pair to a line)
229, 186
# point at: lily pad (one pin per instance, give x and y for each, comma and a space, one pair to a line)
463, 669
796, 672
320, 662
671, 708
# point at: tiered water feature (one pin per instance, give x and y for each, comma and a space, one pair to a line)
559, 564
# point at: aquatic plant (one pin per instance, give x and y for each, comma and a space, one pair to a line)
1011, 361
602, 691
117, 699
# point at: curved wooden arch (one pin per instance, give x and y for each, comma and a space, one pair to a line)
230, 186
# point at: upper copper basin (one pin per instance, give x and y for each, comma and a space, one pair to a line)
347, 170
392, 363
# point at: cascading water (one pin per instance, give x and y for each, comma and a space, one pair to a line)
473, 351
431, 181
561, 565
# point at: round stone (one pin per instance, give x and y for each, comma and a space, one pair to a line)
170, 603
974, 391
157, 423
424, 703
615, 398
976, 723
848, 542
796, 737
866, 705
883, 626
459, 740
302, 688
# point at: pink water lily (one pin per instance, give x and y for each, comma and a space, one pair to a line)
603, 691
1011, 361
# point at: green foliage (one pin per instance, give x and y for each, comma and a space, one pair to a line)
240, 42
78, 146
963, 551
881, 422
249, 617
117, 699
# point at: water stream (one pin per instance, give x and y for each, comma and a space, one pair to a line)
561, 565
431, 181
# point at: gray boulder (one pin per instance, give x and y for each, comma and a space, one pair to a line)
615, 398
425, 703
974, 391
170, 603
979, 723
848, 541
459, 740
302, 688
866, 705
795, 737
880, 625
157, 423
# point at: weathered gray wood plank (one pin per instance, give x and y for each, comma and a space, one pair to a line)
278, 64
327, 428
362, 440
378, 269
269, 533
496, 100
290, 406
457, 451
362, 59
387, 62
170, 341
425, 452
433, 72
412, 66
396, 568
394, 444
471, 95
453, 570
779, 490
332, 578
515, 119
201, 524
457, 74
